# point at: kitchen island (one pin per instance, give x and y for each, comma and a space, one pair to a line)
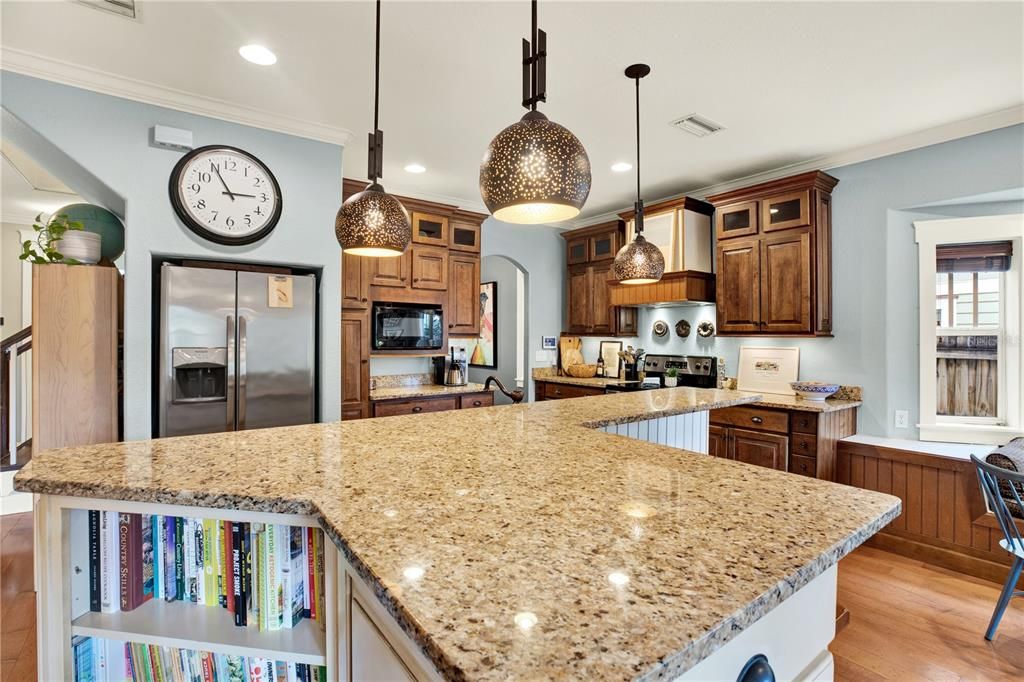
522, 542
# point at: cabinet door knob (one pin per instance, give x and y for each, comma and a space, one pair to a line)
451, 326
757, 420
364, 299
418, 408
803, 445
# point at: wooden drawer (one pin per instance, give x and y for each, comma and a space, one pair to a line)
752, 417
805, 466
557, 391
803, 444
804, 422
476, 400
389, 408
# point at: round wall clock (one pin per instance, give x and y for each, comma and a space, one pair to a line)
225, 195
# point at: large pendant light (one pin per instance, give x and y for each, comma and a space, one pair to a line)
535, 171
638, 262
372, 222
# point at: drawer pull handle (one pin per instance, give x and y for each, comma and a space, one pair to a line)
803, 445
477, 403
757, 420
418, 408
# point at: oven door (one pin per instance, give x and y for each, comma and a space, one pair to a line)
407, 326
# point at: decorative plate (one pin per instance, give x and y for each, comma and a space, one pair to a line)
706, 328
660, 328
682, 328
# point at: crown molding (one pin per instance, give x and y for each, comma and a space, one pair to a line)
17, 217
984, 123
47, 68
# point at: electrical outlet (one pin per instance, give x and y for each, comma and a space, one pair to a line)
902, 419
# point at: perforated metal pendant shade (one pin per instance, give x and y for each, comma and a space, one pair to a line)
535, 171
638, 262
373, 223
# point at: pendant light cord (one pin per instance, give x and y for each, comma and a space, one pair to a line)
533, 55
376, 137
639, 207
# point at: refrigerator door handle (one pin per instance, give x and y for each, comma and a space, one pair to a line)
230, 387
241, 372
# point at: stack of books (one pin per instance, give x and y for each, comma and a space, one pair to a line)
268, 575
104, 660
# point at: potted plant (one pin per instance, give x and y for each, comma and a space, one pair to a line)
61, 241
671, 377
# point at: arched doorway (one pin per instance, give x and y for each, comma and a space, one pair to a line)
510, 324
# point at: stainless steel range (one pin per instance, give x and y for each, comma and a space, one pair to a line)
695, 371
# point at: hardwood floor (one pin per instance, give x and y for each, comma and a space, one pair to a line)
908, 620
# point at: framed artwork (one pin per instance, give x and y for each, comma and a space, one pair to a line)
485, 350
612, 361
768, 370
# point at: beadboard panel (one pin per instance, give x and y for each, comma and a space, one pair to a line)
683, 431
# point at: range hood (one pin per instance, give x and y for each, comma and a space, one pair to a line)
681, 228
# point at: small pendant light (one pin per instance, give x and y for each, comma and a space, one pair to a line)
638, 262
372, 222
535, 171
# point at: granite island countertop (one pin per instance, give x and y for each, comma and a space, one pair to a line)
520, 508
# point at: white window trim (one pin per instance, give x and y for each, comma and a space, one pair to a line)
929, 234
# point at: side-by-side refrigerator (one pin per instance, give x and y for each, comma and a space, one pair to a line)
237, 350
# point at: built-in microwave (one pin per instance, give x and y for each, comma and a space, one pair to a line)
401, 326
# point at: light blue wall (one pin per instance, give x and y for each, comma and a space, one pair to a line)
874, 265
504, 273
109, 137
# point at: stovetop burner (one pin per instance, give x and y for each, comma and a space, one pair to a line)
696, 371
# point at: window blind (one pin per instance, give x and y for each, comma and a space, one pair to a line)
977, 257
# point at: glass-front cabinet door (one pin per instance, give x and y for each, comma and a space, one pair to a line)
785, 211
604, 246
736, 220
429, 229
464, 237
577, 251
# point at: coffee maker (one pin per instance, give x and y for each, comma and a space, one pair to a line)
456, 374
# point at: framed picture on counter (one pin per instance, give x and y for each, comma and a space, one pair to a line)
485, 351
768, 370
612, 361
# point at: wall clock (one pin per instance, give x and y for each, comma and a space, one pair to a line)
225, 195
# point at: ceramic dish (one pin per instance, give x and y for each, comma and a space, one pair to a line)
813, 390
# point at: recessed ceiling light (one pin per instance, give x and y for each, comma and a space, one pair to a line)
415, 168
622, 166
257, 54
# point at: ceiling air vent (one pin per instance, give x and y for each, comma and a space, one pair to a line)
696, 124
126, 8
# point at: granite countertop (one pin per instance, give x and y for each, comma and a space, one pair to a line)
518, 509
423, 391
788, 402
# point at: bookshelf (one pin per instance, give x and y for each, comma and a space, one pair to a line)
359, 639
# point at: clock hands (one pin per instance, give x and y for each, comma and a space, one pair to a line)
221, 178
237, 194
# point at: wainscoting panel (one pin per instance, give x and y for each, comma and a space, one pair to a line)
684, 431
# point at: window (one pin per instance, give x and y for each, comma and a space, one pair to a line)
971, 354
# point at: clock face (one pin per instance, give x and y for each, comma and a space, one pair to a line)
225, 195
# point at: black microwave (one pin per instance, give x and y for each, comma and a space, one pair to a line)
403, 326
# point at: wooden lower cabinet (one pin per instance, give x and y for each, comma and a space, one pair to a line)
551, 390
462, 401
796, 441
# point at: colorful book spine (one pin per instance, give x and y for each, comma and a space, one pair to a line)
170, 557
311, 571
209, 562
130, 560
147, 556
109, 576
296, 570
181, 587
157, 528
237, 577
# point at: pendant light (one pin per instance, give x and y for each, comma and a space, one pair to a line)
535, 171
372, 222
638, 262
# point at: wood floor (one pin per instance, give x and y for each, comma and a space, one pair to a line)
909, 620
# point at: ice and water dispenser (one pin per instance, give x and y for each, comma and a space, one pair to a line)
200, 374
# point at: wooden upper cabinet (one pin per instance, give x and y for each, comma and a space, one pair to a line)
391, 271
604, 245
464, 236
736, 220
464, 294
355, 282
429, 229
579, 299
577, 250
786, 211
429, 267
738, 286
601, 318
777, 280
786, 283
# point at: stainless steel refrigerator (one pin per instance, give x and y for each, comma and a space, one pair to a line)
237, 350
